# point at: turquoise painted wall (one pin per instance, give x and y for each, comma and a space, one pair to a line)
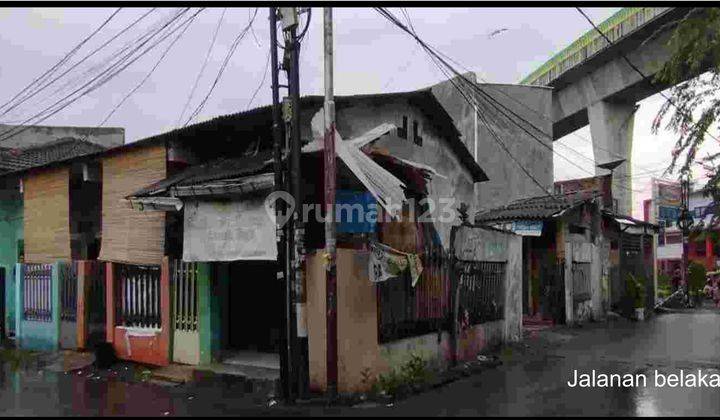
11, 230
34, 335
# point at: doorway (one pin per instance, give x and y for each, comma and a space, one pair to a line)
252, 313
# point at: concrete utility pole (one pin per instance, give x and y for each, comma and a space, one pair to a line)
330, 181
280, 237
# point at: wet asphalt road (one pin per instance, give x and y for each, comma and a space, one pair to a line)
531, 381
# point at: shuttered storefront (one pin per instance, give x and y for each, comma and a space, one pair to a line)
47, 216
128, 235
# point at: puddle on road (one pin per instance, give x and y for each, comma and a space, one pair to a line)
682, 401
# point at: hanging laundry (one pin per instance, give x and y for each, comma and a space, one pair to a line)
415, 267
387, 262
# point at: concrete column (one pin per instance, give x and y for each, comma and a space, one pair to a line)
655, 266
595, 283
205, 313
569, 302
165, 319
611, 129
55, 303
19, 297
81, 315
109, 302
513, 290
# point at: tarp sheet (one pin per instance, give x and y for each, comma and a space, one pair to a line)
229, 231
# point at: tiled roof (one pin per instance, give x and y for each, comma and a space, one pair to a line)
535, 208
65, 148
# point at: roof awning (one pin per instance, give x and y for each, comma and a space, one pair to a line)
155, 203
624, 221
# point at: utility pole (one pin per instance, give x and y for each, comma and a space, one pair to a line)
278, 152
330, 181
293, 182
684, 223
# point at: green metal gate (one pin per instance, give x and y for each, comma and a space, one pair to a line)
186, 336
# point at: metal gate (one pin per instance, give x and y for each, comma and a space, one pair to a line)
138, 296
186, 344
37, 293
552, 291
482, 292
68, 279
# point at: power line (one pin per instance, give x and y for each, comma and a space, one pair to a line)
512, 98
142, 82
152, 70
262, 82
494, 135
117, 67
202, 68
57, 65
498, 107
85, 74
228, 56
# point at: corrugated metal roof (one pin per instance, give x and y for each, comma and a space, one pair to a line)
222, 168
535, 208
423, 98
12, 160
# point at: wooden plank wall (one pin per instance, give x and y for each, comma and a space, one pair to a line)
128, 235
47, 215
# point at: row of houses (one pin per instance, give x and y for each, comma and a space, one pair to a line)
165, 247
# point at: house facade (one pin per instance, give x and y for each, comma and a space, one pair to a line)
35, 176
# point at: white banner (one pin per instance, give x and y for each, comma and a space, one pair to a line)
229, 231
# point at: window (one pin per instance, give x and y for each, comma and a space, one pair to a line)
402, 131
576, 229
416, 133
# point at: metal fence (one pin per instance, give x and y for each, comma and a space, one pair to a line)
68, 291
482, 296
581, 281
407, 311
185, 296
138, 296
37, 292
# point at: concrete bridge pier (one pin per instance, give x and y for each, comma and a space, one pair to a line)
611, 129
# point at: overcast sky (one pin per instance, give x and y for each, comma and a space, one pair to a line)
370, 56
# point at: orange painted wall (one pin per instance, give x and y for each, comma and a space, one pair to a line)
149, 348
358, 348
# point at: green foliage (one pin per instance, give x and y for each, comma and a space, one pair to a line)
635, 288
414, 371
696, 280
663, 280
694, 47
16, 358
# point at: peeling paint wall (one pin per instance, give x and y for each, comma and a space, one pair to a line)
447, 192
